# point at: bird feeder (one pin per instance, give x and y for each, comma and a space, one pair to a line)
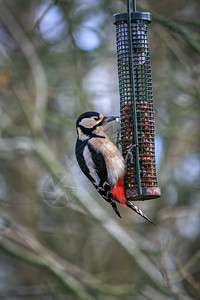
136, 104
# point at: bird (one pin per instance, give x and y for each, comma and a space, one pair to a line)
101, 161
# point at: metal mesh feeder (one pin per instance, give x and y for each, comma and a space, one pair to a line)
136, 104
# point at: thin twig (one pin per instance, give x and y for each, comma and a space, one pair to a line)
19, 242
33, 60
109, 224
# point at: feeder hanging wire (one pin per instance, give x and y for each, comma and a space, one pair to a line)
134, 5
135, 129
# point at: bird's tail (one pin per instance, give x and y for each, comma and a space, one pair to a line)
138, 211
118, 193
114, 206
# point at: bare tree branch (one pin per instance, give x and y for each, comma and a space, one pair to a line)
33, 60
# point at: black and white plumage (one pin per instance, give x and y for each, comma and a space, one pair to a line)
89, 152
101, 161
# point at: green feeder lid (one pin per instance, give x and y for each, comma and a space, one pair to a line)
138, 15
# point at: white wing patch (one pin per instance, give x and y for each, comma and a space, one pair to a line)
91, 166
81, 135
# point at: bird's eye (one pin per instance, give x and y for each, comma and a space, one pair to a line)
96, 118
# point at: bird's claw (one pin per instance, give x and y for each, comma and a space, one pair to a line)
118, 141
129, 154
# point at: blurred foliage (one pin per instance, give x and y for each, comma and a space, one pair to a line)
57, 60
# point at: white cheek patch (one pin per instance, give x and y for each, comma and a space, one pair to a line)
81, 135
89, 122
91, 166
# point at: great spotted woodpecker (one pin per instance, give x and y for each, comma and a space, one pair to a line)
101, 161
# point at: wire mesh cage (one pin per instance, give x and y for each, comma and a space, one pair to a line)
136, 105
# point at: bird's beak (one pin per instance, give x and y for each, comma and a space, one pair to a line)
108, 119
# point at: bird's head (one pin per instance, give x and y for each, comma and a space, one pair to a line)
92, 123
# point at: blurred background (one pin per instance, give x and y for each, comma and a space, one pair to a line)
59, 239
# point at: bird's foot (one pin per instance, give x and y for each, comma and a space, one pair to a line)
129, 155
118, 141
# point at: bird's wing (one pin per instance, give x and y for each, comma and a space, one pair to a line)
92, 164
103, 186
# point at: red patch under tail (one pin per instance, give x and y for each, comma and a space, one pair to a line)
118, 192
